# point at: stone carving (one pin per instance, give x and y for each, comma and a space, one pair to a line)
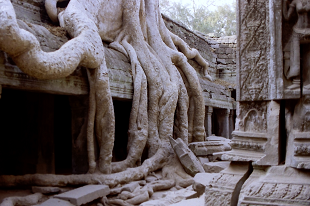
220, 190
301, 35
163, 103
265, 187
256, 135
251, 117
298, 154
301, 118
254, 50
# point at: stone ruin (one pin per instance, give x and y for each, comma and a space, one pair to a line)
270, 145
269, 152
46, 108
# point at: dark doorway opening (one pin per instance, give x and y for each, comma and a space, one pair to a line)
122, 114
35, 133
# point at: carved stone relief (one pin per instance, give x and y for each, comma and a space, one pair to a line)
254, 50
256, 135
298, 147
265, 187
296, 39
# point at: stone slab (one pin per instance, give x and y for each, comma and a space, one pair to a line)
84, 194
206, 148
187, 158
54, 202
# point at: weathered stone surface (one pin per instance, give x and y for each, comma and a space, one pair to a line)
54, 202
276, 185
203, 160
256, 136
215, 167
201, 180
187, 158
226, 142
84, 194
172, 197
206, 148
221, 190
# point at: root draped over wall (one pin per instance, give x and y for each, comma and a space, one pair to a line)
167, 101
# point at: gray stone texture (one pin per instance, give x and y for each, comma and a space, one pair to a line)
84, 194
215, 167
55, 202
201, 180
206, 148
187, 158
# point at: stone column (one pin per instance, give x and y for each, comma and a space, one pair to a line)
227, 114
231, 123
209, 120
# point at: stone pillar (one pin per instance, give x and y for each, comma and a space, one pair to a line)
209, 120
231, 123
226, 129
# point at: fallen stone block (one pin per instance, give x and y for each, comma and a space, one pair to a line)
84, 194
55, 202
206, 148
187, 158
226, 142
203, 160
201, 180
215, 167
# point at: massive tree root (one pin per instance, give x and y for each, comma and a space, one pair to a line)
167, 101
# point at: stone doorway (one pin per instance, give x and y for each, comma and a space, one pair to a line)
35, 133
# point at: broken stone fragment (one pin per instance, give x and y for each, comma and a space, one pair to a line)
206, 148
215, 167
226, 142
201, 180
187, 158
84, 194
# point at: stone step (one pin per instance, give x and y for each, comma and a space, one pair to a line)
84, 194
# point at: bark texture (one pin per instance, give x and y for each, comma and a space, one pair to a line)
167, 101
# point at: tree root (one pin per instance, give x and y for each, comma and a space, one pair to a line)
27, 200
167, 101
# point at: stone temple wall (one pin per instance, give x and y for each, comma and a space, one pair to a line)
225, 50
219, 52
270, 157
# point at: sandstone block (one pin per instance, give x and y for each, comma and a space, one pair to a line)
215, 167
203, 160
206, 148
84, 194
187, 158
201, 180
